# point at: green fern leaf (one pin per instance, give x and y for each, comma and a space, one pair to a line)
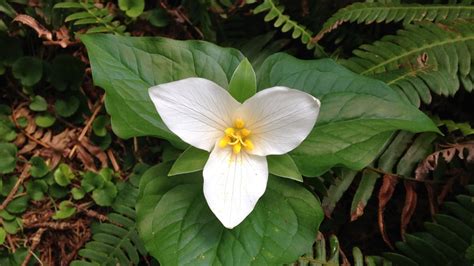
392, 12
420, 60
276, 12
116, 242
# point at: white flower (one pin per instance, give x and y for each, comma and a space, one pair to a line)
239, 136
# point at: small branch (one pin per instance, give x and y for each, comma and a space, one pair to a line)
180, 17
112, 159
88, 124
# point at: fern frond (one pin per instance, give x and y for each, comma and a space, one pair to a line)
420, 59
97, 17
117, 242
276, 12
445, 242
391, 12
464, 128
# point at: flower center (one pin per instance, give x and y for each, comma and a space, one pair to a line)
237, 137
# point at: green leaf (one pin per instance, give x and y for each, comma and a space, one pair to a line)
63, 175
132, 8
357, 113
191, 160
12, 226
78, 193
18, 205
7, 157
158, 17
22, 121
7, 9
67, 106
178, 227
99, 125
8, 184
284, 166
105, 195
138, 63
91, 180
66, 210
28, 70
39, 168
67, 72
363, 193
78, 15
243, 84
36, 189
7, 129
58, 192
38, 104
45, 120
3, 235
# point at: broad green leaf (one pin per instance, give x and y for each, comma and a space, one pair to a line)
8, 183
132, 8
99, 125
38, 104
7, 129
243, 84
158, 17
357, 113
78, 193
178, 227
105, 195
39, 168
45, 120
28, 70
66, 106
125, 67
191, 160
284, 166
63, 175
7, 157
58, 192
66, 210
12, 226
18, 205
67, 72
36, 189
91, 180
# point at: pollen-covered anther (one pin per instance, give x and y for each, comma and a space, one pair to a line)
237, 137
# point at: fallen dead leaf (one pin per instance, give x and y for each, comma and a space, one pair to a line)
385, 194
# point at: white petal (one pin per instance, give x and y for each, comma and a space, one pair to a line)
197, 110
233, 184
279, 118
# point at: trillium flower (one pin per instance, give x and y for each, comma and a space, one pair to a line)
238, 135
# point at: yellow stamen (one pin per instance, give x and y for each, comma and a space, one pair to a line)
248, 145
229, 132
236, 148
239, 123
245, 132
224, 142
237, 137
